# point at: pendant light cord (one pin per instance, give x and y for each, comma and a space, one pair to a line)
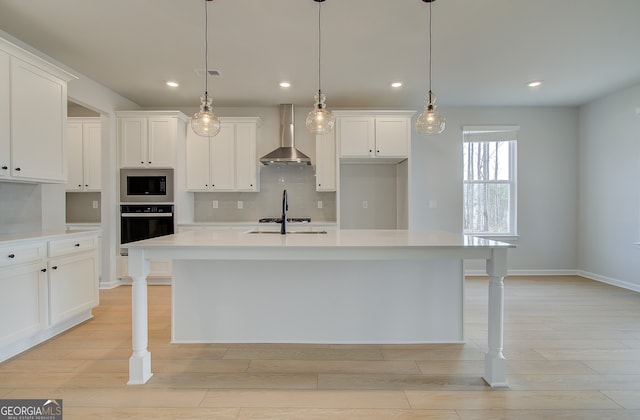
319, 45
430, 3
206, 47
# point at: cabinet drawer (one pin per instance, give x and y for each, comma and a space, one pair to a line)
72, 246
17, 254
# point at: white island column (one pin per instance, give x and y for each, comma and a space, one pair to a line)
494, 362
140, 360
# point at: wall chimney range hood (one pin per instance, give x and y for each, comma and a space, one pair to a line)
286, 154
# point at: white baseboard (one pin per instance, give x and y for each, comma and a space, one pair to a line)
585, 274
110, 284
609, 280
482, 272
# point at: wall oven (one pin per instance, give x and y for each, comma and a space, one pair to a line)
141, 221
146, 185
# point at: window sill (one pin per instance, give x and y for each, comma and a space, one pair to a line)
510, 239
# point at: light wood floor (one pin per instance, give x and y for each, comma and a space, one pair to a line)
572, 345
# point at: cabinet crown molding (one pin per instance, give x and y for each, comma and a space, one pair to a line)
152, 113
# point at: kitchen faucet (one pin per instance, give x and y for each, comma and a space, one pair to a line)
285, 207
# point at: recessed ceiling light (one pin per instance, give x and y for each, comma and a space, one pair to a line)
396, 84
172, 83
535, 83
285, 84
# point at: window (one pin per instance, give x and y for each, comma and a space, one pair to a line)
489, 181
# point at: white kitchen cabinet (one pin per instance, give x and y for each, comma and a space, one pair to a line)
73, 277
383, 135
33, 113
84, 161
148, 138
326, 162
23, 303
73, 285
5, 132
226, 162
47, 285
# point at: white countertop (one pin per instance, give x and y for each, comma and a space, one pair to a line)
332, 238
5, 239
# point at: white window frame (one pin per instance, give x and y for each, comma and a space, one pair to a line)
493, 134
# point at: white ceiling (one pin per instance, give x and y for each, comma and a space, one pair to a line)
484, 52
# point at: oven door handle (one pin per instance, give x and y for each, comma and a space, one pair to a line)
147, 215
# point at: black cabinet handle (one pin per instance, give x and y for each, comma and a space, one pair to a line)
142, 162
79, 185
12, 255
76, 245
5, 167
18, 169
44, 270
149, 162
55, 267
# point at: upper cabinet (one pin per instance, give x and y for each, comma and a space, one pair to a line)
148, 138
226, 162
381, 135
326, 162
33, 114
83, 146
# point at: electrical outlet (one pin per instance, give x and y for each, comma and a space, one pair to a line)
319, 204
240, 204
214, 204
365, 204
95, 204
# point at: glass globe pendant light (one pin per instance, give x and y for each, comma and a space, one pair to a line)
205, 123
430, 122
320, 120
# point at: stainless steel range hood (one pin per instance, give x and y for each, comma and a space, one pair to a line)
286, 154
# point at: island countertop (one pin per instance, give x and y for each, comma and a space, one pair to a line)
312, 239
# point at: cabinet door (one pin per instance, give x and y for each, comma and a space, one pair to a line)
392, 136
4, 115
326, 162
162, 141
23, 300
356, 136
197, 162
73, 285
38, 124
74, 157
246, 158
92, 144
133, 142
222, 158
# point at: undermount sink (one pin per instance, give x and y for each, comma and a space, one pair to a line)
294, 232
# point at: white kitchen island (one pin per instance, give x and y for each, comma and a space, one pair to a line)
344, 287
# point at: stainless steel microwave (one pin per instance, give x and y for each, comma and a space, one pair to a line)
146, 185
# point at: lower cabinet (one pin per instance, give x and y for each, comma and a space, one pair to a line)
43, 293
23, 302
69, 291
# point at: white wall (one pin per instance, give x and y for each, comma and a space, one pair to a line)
547, 182
609, 185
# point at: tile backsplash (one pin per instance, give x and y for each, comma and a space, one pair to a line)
299, 181
20, 208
